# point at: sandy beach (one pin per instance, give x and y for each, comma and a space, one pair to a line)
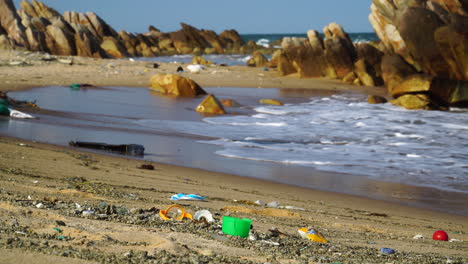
45, 190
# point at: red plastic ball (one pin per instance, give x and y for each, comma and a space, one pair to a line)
440, 235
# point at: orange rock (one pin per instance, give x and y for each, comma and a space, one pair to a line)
175, 85
211, 105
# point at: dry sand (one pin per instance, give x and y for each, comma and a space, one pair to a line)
126, 199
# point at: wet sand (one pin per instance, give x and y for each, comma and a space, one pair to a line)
59, 178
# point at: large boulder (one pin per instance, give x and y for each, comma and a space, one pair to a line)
441, 91
453, 45
202, 61
38, 9
231, 40
177, 85
211, 105
285, 64
394, 70
60, 41
113, 47
365, 73
257, 60
99, 27
430, 35
415, 102
213, 39
11, 23
87, 45
337, 55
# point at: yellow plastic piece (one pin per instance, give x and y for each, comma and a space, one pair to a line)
183, 215
312, 235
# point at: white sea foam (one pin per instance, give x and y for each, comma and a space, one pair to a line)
264, 42
341, 134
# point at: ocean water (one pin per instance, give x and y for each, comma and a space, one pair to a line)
265, 40
380, 151
268, 40
344, 134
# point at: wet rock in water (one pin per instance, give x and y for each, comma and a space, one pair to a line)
374, 99
257, 60
211, 105
200, 60
417, 83
177, 85
415, 102
271, 102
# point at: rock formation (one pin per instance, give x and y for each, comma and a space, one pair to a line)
37, 27
426, 46
257, 60
334, 56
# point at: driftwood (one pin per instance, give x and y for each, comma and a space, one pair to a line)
127, 149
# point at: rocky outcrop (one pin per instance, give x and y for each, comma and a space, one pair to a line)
426, 46
202, 61
11, 23
171, 84
87, 34
257, 60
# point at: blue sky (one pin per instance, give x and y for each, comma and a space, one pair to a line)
246, 16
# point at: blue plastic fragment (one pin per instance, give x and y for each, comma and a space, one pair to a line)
187, 197
387, 250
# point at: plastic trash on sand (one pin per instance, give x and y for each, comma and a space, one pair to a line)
440, 235
18, 114
195, 68
236, 227
203, 214
312, 235
387, 251
174, 212
187, 197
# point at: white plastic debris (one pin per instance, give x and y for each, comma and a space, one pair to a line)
418, 237
195, 68
455, 240
40, 205
270, 243
273, 204
259, 202
204, 214
18, 114
88, 212
290, 207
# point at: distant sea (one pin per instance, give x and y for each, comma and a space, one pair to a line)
268, 39
265, 40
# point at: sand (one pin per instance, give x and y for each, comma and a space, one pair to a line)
126, 199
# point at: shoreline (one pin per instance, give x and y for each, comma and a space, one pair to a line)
123, 72
59, 177
43, 172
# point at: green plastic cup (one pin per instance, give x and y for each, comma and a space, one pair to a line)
236, 227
